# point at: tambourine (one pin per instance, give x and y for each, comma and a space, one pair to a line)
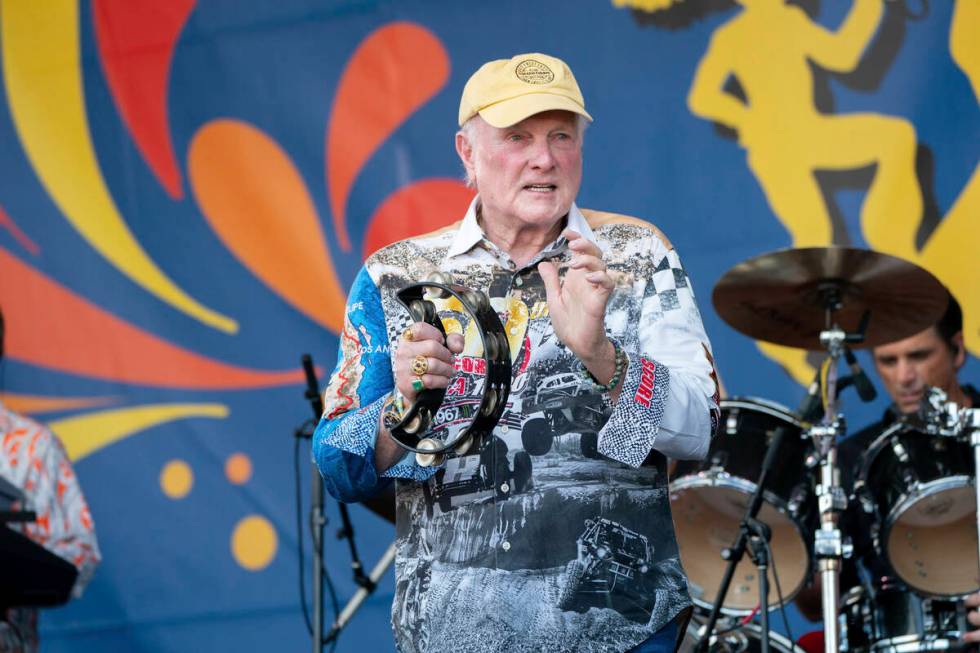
433, 427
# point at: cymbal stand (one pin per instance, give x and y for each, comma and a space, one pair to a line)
829, 545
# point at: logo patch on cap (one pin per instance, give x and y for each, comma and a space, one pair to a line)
532, 71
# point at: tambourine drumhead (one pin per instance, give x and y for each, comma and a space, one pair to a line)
709, 500
448, 421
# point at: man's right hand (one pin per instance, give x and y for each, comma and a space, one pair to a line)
424, 342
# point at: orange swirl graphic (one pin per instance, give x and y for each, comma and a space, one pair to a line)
255, 200
43, 76
57, 329
394, 71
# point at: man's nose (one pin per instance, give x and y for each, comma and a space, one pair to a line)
907, 372
541, 155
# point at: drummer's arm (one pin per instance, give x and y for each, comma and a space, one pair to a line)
668, 400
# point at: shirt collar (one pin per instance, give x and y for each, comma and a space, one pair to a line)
470, 234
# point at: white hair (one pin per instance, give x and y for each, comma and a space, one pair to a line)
468, 130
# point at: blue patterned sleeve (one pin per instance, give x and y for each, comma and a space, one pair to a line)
343, 443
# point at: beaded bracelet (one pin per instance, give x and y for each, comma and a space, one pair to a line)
621, 362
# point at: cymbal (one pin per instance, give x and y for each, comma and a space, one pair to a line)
781, 297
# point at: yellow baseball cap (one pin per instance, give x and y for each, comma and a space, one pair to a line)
506, 91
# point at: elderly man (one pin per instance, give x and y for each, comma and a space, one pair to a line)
907, 369
555, 534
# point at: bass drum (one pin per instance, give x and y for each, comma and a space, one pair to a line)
709, 499
919, 488
747, 638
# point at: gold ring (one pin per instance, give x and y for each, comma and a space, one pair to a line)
417, 384
408, 334
420, 365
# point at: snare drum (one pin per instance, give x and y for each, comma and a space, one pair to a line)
919, 487
709, 499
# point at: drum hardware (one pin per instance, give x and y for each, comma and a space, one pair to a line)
798, 298
750, 530
972, 423
892, 619
429, 428
709, 499
734, 637
829, 545
917, 480
951, 420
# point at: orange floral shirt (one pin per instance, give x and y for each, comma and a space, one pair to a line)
34, 460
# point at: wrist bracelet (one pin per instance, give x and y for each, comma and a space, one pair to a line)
621, 362
392, 410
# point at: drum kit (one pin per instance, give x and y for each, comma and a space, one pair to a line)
770, 485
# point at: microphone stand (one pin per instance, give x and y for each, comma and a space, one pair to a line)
367, 584
750, 530
317, 519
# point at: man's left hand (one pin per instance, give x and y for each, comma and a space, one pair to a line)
577, 304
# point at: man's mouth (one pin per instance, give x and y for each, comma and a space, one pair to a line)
910, 397
540, 188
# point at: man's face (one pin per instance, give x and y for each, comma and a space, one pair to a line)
528, 174
907, 366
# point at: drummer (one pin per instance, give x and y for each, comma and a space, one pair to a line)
907, 368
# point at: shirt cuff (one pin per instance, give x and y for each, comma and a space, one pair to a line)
632, 428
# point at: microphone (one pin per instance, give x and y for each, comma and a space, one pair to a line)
312, 387
865, 389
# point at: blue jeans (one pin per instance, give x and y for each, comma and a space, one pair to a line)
663, 641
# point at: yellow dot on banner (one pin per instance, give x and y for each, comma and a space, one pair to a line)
254, 542
176, 479
238, 468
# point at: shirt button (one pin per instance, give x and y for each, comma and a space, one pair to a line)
505, 546
519, 281
504, 429
504, 488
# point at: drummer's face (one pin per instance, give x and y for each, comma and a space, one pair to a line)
907, 366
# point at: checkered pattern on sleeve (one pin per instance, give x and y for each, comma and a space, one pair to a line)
632, 428
398, 318
668, 277
352, 435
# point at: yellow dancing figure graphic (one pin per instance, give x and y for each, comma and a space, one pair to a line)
952, 252
768, 48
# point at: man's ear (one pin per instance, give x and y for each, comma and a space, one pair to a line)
465, 151
959, 356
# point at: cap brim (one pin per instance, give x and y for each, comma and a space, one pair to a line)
510, 112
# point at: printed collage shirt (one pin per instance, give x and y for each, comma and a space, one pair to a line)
555, 533
33, 460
